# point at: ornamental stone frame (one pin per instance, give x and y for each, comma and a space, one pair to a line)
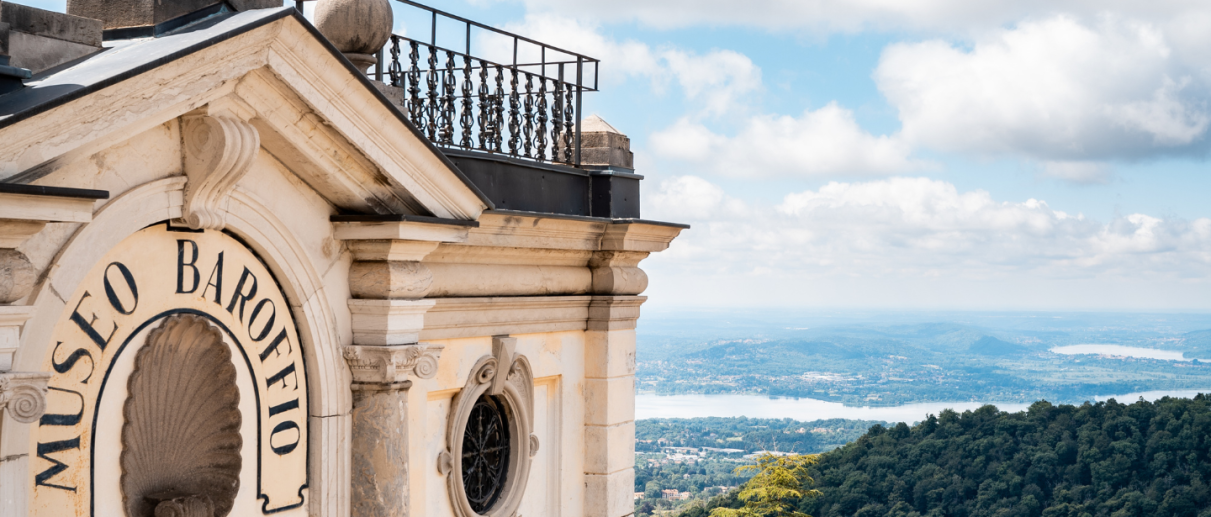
508, 377
284, 255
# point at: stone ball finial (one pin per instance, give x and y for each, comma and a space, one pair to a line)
358, 28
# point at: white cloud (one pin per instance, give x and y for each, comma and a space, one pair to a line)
856, 15
716, 82
820, 142
904, 228
1052, 89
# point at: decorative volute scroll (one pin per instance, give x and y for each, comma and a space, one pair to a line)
220, 146
23, 395
392, 364
503, 382
181, 437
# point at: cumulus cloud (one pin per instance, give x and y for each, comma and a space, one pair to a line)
819, 142
715, 82
857, 15
1052, 89
918, 227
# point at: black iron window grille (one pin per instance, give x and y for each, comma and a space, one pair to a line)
519, 97
485, 458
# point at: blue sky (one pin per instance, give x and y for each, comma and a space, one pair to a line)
906, 154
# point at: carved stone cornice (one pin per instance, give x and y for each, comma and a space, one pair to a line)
391, 365
617, 272
220, 146
23, 395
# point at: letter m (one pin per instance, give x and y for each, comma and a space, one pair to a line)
56, 466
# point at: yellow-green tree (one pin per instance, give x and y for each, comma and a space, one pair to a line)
780, 483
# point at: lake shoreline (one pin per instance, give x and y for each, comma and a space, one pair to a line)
808, 409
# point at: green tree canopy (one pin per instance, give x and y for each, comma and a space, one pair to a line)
777, 488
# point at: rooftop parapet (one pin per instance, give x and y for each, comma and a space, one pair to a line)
473, 87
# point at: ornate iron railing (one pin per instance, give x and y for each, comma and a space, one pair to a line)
525, 106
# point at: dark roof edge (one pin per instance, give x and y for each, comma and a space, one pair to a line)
585, 218
117, 78
397, 218
42, 190
284, 12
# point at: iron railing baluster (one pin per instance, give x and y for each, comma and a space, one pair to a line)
498, 110
449, 90
514, 114
432, 108
528, 128
485, 123
416, 107
540, 134
569, 117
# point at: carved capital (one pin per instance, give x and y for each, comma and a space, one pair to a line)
219, 148
384, 365
23, 395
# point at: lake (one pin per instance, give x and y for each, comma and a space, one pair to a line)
1121, 351
759, 406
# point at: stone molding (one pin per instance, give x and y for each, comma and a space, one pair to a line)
382, 366
614, 312
388, 322
12, 317
507, 376
636, 236
219, 149
472, 317
389, 231
391, 250
23, 395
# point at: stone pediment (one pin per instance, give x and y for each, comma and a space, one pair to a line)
313, 112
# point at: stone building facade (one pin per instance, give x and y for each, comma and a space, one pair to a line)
236, 279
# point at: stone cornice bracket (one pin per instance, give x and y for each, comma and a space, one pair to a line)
23, 395
390, 366
220, 146
617, 272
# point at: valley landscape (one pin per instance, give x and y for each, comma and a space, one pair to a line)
820, 381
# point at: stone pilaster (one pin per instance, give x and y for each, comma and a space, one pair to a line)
380, 424
610, 405
25, 211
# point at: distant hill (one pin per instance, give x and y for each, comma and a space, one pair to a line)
1105, 459
992, 346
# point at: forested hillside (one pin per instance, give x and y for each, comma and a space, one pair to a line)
1105, 459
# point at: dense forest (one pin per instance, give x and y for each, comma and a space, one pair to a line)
1106, 459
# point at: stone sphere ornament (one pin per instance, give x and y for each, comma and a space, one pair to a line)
357, 28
